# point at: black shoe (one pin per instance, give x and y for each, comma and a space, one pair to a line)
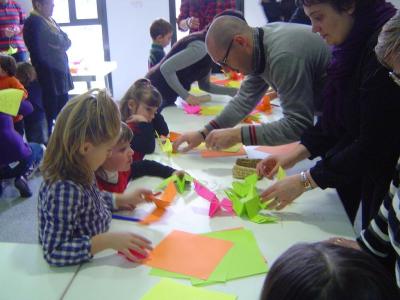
22, 186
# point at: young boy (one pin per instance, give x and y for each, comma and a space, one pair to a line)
161, 33
115, 173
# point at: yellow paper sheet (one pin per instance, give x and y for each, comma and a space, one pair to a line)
10, 101
168, 289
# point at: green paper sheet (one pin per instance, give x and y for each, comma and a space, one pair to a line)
180, 183
243, 259
165, 182
10, 101
168, 289
261, 219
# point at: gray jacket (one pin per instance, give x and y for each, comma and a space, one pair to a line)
295, 66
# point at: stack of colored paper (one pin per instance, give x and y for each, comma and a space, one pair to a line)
168, 289
189, 254
242, 260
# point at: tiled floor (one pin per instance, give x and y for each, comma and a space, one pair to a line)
18, 216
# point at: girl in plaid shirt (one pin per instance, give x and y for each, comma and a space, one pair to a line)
74, 216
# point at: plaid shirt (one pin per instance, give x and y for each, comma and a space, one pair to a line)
382, 237
69, 215
205, 10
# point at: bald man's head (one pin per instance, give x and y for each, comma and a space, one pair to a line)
228, 30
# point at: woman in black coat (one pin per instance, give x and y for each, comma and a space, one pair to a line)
47, 45
357, 135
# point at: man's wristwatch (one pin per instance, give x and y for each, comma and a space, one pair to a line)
305, 181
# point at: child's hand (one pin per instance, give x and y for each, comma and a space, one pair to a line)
129, 200
196, 100
123, 241
136, 119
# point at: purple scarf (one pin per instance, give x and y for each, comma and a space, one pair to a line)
345, 58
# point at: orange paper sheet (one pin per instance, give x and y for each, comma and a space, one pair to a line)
212, 154
188, 254
277, 149
166, 199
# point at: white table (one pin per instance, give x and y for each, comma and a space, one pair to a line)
93, 73
24, 274
316, 215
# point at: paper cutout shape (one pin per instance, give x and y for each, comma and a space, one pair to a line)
179, 182
212, 154
166, 199
223, 82
243, 259
253, 118
234, 84
173, 136
191, 109
188, 254
281, 173
215, 204
211, 110
165, 144
195, 90
10, 101
277, 149
246, 201
168, 289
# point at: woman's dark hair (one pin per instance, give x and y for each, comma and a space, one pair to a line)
325, 271
339, 5
8, 64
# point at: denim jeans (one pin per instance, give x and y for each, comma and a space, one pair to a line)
22, 166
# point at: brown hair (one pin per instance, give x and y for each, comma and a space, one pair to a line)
126, 134
160, 27
91, 117
141, 91
25, 73
8, 64
339, 5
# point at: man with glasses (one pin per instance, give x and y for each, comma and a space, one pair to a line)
288, 57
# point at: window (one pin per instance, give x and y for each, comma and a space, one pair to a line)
85, 22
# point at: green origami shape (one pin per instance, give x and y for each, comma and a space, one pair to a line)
180, 183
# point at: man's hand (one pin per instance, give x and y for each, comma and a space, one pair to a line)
193, 139
219, 139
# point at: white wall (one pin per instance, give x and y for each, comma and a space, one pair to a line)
128, 27
254, 13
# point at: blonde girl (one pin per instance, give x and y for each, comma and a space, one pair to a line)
139, 110
74, 216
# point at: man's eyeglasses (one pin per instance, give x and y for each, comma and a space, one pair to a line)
223, 62
395, 78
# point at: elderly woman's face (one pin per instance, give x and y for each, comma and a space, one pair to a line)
45, 8
334, 26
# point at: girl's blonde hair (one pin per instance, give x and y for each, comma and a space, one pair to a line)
141, 91
91, 117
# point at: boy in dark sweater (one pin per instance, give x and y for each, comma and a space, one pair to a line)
161, 33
